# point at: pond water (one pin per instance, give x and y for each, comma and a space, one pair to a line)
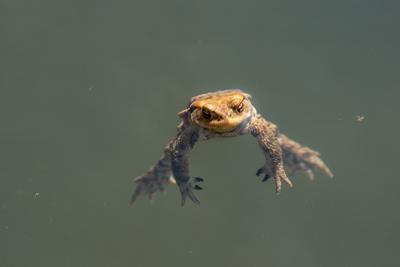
89, 92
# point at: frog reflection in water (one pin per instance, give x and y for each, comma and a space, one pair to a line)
226, 113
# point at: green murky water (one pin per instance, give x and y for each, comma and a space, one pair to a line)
89, 92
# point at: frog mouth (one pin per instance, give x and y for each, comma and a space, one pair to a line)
217, 123
223, 125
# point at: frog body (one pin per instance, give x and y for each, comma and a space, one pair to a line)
225, 113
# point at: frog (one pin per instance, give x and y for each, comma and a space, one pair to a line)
220, 114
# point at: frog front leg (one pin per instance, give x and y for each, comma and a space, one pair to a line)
267, 135
181, 147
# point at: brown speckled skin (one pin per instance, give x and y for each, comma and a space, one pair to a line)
226, 113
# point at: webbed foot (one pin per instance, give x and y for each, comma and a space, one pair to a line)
306, 160
297, 157
186, 190
148, 184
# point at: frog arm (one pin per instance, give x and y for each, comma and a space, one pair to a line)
267, 135
175, 160
181, 146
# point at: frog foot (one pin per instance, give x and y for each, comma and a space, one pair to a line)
307, 160
148, 184
279, 176
186, 189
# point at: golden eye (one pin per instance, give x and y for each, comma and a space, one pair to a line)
239, 108
206, 113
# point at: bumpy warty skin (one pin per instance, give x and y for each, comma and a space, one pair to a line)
226, 113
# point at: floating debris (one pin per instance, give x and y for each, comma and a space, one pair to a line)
360, 118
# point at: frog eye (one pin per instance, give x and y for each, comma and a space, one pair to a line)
239, 108
206, 113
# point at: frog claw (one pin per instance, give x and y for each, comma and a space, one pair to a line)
198, 179
264, 171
